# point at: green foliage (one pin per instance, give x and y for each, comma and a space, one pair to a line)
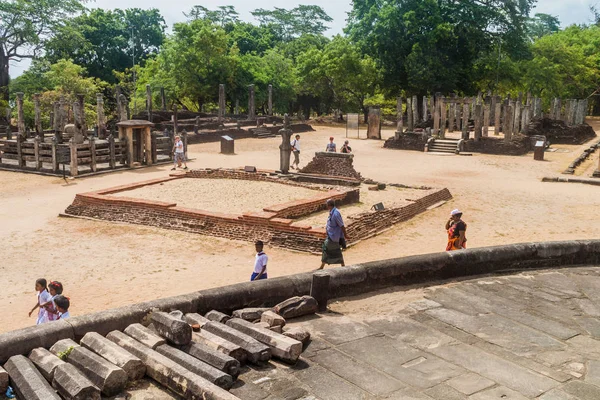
64, 355
542, 25
304, 19
223, 15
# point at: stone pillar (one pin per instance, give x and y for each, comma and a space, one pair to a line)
537, 110
581, 112
63, 115
409, 115
497, 114
197, 125
486, 116
270, 103
122, 104
175, 127
451, 113
493, 109
82, 121
425, 116
285, 149
237, 107
517, 117
374, 121
56, 121
77, 114
221, 102
510, 115
38, 116
400, 121
478, 124
20, 115
163, 99
149, 102
436, 116
415, 107
572, 112
101, 118
556, 109
465, 118
319, 290
443, 114
251, 105
526, 119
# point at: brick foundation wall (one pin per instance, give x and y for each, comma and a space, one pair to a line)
332, 164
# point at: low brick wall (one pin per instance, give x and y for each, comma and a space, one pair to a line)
348, 281
332, 164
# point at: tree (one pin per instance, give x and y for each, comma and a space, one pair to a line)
25, 25
105, 41
542, 25
288, 24
223, 15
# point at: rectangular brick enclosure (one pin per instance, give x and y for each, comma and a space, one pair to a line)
234, 204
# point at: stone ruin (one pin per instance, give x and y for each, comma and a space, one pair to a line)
332, 164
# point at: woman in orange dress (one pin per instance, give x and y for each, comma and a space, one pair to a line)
457, 229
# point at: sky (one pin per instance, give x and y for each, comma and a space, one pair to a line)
568, 11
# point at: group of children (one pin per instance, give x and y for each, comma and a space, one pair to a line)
51, 302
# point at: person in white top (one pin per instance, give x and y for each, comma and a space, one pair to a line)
296, 150
178, 154
260, 263
62, 305
43, 297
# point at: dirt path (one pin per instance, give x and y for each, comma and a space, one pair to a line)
105, 265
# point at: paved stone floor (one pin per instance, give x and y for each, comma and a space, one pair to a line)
529, 336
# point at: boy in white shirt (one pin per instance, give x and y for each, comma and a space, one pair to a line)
260, 263
62, 305
296, 150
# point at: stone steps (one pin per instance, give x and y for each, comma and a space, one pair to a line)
449, 146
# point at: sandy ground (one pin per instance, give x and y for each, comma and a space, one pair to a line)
228, 196
105, 265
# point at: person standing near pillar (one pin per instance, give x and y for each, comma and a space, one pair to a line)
296, 150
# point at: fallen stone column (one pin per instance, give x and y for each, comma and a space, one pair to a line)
73, 385
296, 307
217, 316
213, 357
222, 345
45, 362
144, 335
272, 319
111, 379
27, 381
250, 314
297, 333
282, 347
255, 351
198, 367
172, 328
170, 374
195, 319
133, 366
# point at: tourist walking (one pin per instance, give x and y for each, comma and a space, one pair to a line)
43, 297
346, 149
55, 288
178, 154
457, 230
336, 237
260, 262
296, 150
331, 148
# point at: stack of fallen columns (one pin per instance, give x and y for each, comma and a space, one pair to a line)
192, 355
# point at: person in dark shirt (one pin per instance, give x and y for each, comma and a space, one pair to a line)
346, 148
457, 230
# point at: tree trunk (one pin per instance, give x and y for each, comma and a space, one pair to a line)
4, 77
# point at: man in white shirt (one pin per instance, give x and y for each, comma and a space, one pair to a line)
178, 154
296, 150
260, 262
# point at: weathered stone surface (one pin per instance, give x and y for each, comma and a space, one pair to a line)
73, 385
498, 392
45, 362
213, 357
109, 378
170, 374
177, 314
144, 335
296, 307
195, 319
173, 329
282, 347
217, 316
297, 333
3, 380
470, 383
26, 380
272, 318
250, 314
255, 350
198, 367
262, 324
63, 346
223, 345
133, 366
444, 392
276, 329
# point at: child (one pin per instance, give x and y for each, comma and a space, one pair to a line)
55, 288
43, 298
260, 264
178, 154
62, 305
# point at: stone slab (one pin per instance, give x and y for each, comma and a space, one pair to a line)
557, 394
198, 367
144, 335
249, 314
45, 362
272, 319
593, 372
213, 357
338, 329
255, 351
168, 373
109, 378
470, 383
27, 381
504, 372
326, 385
297, 333
408, 394
133, 366
195, 319
217, 316
175, 330
361, 375
282, 347
218, 343
444, 392
245, 389
73, 385
498, 392
410, 332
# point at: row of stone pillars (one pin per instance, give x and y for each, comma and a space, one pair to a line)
510, 116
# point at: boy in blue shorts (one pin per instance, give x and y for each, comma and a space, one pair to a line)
260, 264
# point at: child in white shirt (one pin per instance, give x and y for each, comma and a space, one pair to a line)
260, 263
